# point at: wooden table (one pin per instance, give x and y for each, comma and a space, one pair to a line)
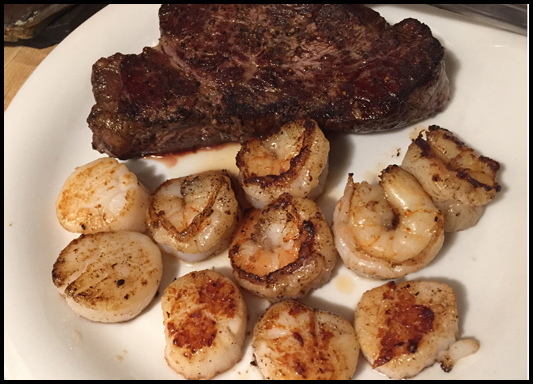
19, 64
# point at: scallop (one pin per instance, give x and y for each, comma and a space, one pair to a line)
407, 327
102, 196
293, 341
109, 277
204, 316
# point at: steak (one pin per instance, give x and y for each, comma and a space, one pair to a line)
225, 73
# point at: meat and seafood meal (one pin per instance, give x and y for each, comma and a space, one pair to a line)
224, 73
274, 78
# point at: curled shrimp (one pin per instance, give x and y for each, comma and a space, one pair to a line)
292, 160
387, 230
458, 179
194, 217
283, 250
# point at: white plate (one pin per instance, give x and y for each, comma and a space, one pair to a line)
46, 136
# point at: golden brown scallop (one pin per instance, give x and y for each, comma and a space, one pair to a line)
204, 316
406, 327
109, 277
293, 341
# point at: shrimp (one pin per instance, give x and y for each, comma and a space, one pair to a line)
458, 179
204, 316
407, 327
389, 230
293, 160
194, 217
102, 196
109, 277
283, 250
293, 341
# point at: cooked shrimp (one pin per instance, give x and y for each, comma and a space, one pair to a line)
292, 341
283, 250
403, 329
194, 217
292, 160
458, 179
388, 230
204, 316
109, 277
102, 196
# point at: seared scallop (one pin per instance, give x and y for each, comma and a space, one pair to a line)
204, 316
293, 341
109, 277
404, 328
102, 196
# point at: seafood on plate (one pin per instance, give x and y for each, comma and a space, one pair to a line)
460, 181
205, 317
109, 277
102, 196
388, 230
293, 341
407, 327
194, 217
292, 160
283, 250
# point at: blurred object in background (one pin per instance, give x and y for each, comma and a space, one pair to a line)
511, 17
43, 25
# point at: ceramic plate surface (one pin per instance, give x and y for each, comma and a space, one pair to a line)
46, 137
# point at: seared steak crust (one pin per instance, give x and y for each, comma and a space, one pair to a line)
229, 72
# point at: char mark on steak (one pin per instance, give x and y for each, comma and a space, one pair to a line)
224, 73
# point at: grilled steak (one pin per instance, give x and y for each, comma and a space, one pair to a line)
225, 73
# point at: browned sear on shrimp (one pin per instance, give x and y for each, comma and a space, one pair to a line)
292, 160
460, 181
283, 250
